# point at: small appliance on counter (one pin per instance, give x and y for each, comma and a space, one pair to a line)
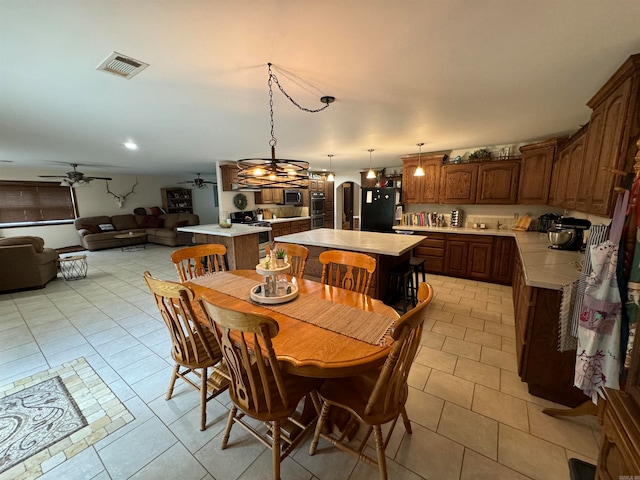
547, 222
457, 219
568, 233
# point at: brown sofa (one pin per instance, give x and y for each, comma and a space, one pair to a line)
160, 229
26, 263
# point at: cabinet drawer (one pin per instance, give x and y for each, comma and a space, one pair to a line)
434, 264
429, 252
433, 243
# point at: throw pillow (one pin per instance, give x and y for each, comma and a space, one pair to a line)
106, 227
156, 211
181, 223
151, 221
90, 228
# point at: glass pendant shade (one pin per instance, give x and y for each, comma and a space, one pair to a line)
330, 177
371, 173
419, 171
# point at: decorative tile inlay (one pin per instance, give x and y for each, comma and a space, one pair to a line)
51, 416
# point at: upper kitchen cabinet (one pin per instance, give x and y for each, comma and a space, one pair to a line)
424, 189
458, 183
610, 144
535, 172
270, 195
567, 168
498, 182
229, 176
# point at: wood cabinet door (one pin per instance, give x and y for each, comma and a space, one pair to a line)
504, 252
572, 171
498, 182
522, 303
458, 183
558, 178
411, 185
229, 176
479, 259
535, 173
604, 148
456, 257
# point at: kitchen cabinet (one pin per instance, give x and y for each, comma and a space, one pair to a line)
468, 256
421, 189
458, 183
535, 172
270, 195
610, 144
432, 250
504, 251
229, 176
567, 167
382, 177
286, 227
175, 200
547, 372
498, 182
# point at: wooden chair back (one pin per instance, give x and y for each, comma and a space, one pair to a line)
297, 255
199, 260
389, 393
174, 302
245, 341
349, 270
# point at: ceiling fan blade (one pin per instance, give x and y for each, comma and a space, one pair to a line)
88, 179
52, 176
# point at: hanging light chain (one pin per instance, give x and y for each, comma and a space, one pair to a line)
304, 109
273, 140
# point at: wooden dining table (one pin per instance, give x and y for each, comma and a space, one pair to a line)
301, 347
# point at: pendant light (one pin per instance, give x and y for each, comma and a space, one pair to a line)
330, 177
371, 173
274, 172
419, 171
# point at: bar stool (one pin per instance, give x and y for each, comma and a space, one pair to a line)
417, 266
401, 285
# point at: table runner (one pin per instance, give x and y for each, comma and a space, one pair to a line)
336, 317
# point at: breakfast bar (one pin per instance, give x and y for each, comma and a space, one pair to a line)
388, 249
241, 242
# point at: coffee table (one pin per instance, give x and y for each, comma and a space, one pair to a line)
73, 268
130, 241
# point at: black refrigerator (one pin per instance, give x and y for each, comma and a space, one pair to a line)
379, 209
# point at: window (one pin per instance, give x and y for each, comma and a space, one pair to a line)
24, 203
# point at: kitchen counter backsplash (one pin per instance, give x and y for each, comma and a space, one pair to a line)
426, 219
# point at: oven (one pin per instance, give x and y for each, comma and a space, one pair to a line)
317, 221
317, 204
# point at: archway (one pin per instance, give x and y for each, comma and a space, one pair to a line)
348, 206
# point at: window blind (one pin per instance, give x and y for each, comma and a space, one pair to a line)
32, 202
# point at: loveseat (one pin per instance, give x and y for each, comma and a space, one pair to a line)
97, 233
26, 263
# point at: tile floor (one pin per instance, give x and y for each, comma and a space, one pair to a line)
472, 417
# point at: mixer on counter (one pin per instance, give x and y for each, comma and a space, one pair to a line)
568, 233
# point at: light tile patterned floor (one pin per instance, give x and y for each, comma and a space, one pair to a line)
473, 419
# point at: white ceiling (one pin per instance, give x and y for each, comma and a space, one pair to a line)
451, 73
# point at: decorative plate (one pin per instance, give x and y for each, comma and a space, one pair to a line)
240, 201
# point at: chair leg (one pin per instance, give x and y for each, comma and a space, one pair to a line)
382, 460
174, 377
203, 399
227, 430
275, 448
324, 415
405, 420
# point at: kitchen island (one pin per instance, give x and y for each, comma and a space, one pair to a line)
388, 249
241, 242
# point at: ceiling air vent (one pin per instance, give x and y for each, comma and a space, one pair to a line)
121, 65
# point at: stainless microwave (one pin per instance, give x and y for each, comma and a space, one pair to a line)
292, 197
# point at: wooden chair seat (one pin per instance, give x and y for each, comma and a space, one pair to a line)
349, 270
377, 397
191, 262
194, 348
297, 255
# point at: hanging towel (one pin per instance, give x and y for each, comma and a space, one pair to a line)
598, 352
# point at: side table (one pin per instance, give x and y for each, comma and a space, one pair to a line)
73, 268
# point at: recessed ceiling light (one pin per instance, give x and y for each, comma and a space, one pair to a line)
130, 145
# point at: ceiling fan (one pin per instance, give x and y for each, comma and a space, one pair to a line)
199, 182
74, 178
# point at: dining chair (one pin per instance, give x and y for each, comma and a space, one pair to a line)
194, 348
297, 255
348, 270
199, 260
259, 388
377, 397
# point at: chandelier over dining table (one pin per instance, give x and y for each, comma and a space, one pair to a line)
274, 172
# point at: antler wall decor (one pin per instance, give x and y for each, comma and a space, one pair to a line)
121, 198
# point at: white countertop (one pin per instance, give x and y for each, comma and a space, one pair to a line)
543, 267
236, 230
391, 244
283, 219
